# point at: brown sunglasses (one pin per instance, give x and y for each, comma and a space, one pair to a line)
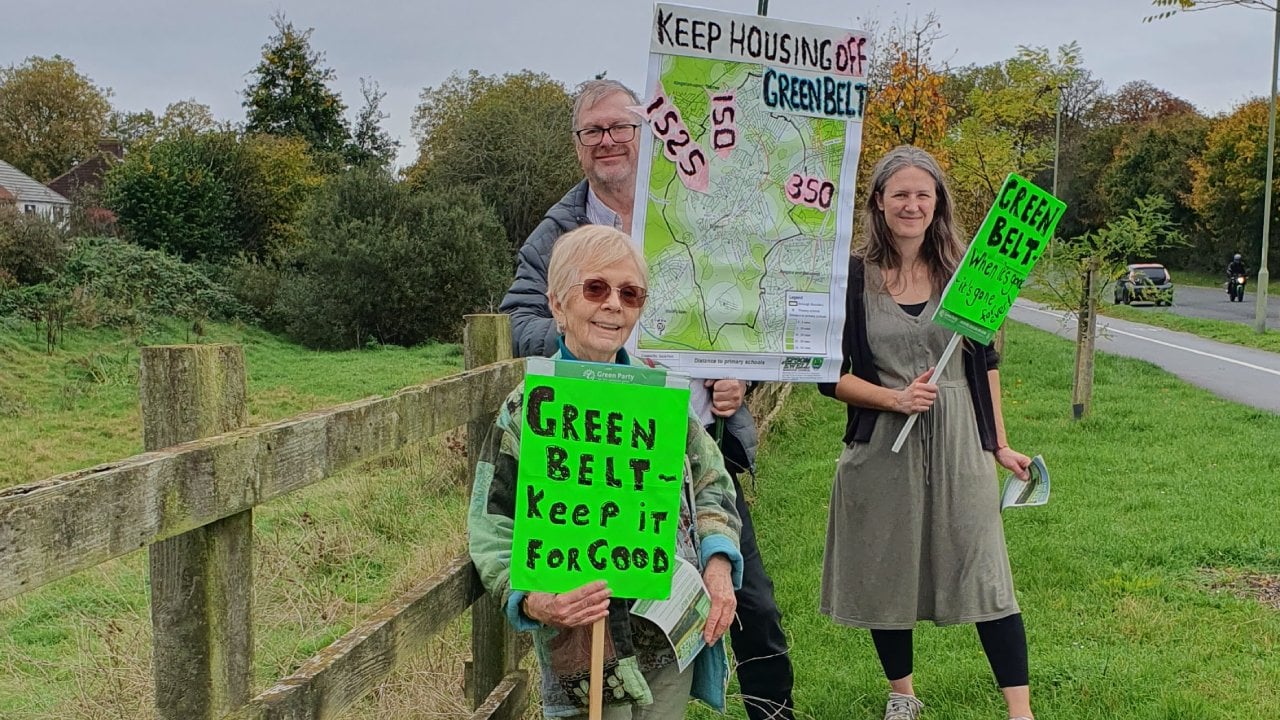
597, 290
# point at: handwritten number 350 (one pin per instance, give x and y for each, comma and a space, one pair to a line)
810, 191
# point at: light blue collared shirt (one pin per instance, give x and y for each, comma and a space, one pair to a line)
600, 214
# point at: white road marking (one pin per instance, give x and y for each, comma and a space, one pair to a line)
1118, 331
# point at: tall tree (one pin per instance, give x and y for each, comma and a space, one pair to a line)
508, 137
1155, 158
1139, 102
1010, 126
289, 94
183, 116
1227, 188
907, 105
1089, 156
51, 116
370, 142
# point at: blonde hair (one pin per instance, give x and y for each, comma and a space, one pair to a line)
588, 248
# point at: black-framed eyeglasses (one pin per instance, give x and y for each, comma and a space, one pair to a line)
596, 290
622, 133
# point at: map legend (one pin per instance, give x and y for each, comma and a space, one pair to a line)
807, 320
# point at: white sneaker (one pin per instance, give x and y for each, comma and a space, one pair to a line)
902, 707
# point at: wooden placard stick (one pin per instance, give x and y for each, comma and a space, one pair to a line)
937, 371
596, 697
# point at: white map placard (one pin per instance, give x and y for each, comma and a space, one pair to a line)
744, 197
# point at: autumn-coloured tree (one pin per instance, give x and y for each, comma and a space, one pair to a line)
1227, 184
51, 116
1009, 126
906, 104
1139, 102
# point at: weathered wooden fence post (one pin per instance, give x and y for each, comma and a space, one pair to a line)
202, 580
494, 649
1086, 338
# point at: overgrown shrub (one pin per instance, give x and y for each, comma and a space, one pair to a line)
108, 281
213, 196
380, 263
256, 284
32, 248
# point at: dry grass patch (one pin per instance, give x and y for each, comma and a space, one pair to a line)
1250, 585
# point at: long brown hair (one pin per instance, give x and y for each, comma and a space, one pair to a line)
943, 247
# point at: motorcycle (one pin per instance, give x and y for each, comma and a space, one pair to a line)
1235, 288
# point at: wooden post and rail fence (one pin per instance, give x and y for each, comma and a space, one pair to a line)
189, 500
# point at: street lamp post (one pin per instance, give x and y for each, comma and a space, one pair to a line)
1260, 311
1057, 142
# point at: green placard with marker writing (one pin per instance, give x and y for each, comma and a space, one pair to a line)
1014, 234
601, 467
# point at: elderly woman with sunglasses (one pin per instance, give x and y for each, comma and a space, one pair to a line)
596, 289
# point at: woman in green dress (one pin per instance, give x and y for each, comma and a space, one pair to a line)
916, 535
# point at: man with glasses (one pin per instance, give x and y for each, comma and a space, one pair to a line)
606, 139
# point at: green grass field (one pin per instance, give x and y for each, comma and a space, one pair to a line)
78, 406
1164, 504
326, 557
1134, 580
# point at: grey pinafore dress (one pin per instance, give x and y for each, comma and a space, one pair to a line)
915, 535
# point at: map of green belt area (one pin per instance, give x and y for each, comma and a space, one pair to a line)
740, 268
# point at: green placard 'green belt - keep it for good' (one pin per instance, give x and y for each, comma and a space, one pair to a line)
1014, 235
601, 468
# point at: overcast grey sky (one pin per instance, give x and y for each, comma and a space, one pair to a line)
154, 52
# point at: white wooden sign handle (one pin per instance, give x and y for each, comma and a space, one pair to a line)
937, 370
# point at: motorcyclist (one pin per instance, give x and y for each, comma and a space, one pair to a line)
1236, 267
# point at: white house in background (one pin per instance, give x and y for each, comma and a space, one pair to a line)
29, 196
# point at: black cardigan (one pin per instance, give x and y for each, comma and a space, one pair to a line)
857, 360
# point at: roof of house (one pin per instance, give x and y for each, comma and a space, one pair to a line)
89, 173
26, 189
6, 195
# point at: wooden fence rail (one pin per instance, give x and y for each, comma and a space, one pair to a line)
190, 498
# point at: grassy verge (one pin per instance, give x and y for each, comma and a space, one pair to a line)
1125, 579
1228, 332
78, 406
325, 557
1198, 278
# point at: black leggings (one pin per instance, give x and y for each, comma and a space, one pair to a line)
1004, 641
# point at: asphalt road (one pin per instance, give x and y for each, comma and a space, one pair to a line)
1210, 304
1245, 375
